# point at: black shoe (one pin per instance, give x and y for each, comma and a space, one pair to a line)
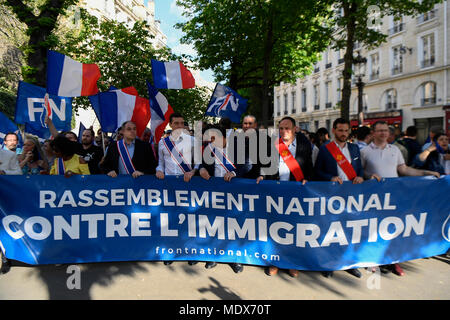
168, 263
210, 265
5, 264
327, 274
354, 272
237, 267
192, 263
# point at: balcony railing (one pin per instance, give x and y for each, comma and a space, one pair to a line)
278, 113
285, 112
317, 107
328, 65
428, 62
303, 109
294, 110
328, 105
396, 29
317, 69
341, 60
428, 101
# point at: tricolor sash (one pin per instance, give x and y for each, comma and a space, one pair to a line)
341, 160
176, 155
125, 157
290, 161
223, 160
60, 167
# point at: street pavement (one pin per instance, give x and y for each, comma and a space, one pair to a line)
425, 279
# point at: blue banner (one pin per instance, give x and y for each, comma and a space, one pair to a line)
319, 226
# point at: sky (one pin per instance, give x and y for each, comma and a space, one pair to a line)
169, 14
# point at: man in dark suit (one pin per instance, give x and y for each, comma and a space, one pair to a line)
295, 162
225, 164
141, 155
340, 161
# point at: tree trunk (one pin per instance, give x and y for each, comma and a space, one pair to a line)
350, 15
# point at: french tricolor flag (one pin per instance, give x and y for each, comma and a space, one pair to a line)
171, 75
69, 78
116, 106
160, 112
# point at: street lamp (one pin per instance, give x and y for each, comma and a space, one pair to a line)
360, 72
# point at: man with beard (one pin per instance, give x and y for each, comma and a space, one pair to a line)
340, 161
90, 153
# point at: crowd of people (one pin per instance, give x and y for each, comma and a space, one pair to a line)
378, 152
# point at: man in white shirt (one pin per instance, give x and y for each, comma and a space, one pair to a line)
386, 161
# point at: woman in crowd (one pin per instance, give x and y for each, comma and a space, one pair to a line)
67, 163
32, 160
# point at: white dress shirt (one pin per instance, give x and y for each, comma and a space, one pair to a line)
185, 144
283, 170
346, 153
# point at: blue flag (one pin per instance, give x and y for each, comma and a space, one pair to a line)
226, 103
31, 111
7, 126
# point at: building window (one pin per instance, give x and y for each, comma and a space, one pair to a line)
328, 94
391, 99
428, 93
285, 103
428, 50
374, 66
294, 97
316, 97
397, 60
304, 100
